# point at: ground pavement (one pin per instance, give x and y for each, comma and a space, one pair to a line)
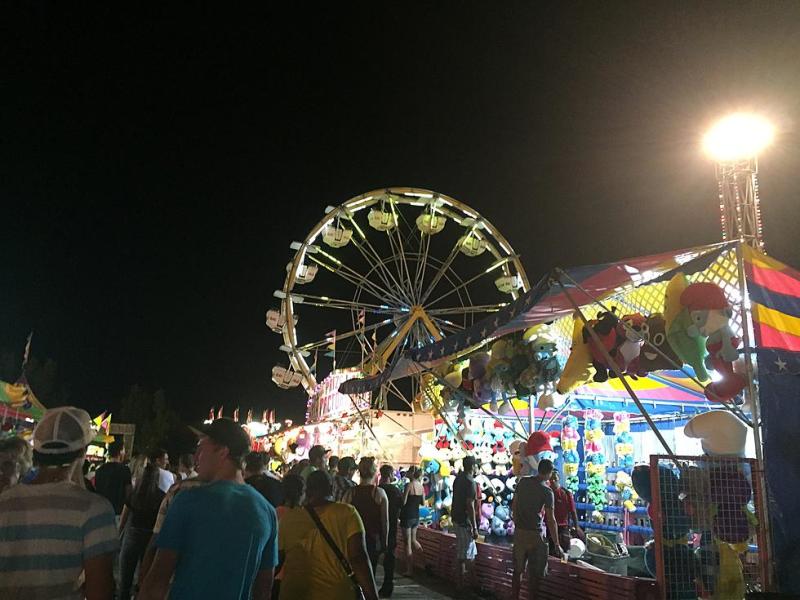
422, 586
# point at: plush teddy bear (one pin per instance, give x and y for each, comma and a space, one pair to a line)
649, 359
605, 327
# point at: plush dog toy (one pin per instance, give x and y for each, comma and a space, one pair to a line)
691, 350
649, 359
710, 313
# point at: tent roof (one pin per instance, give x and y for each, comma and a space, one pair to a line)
546, 302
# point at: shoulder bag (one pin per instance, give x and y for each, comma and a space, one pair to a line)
359, 593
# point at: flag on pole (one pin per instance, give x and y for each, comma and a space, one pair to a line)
264, 416
219, 412
98, 420
249, 415
211, 414
272, 416
236, 414
106, 424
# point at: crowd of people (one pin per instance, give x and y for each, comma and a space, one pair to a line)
222, 525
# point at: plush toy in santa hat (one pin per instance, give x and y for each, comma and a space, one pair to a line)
536, 449
710, 313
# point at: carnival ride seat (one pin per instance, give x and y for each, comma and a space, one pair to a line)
285, 378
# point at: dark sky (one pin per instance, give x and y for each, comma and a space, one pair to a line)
155, 163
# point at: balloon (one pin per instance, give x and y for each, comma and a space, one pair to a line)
576, 548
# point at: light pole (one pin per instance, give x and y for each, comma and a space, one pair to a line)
735, 143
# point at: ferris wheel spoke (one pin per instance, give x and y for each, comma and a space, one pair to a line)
357, 279
440, 273
445, 324
458, 310
380, 269
328, 302
343, 336
405, 274
376, 259
464, 284
419, 275
391, 387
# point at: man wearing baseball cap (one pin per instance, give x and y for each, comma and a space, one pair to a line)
53, 530
217, 540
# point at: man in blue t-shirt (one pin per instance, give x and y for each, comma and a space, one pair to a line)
218, 540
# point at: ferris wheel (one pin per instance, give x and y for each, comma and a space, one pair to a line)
385, 272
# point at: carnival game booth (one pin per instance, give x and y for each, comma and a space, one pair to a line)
652, 353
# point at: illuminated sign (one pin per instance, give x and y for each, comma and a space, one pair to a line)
325, 400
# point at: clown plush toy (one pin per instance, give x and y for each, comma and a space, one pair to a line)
710, 316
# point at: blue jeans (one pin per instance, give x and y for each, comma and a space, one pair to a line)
134, 544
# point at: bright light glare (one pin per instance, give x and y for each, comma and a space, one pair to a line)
738, 136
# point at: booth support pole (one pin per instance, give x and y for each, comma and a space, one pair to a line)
616, 369
755, 408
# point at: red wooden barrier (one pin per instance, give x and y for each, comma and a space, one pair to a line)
494, 566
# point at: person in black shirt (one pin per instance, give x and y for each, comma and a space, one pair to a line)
138, 517
388, 485
465, 519
113, 479
265, 484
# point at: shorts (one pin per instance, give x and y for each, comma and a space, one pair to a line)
466, 548
531, 549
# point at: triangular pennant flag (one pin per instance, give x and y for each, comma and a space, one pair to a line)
219, 412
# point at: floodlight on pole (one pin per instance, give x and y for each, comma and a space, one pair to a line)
734, 143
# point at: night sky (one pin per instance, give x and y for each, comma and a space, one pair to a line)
156, 163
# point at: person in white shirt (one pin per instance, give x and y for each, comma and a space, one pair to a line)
160, 457
186, 466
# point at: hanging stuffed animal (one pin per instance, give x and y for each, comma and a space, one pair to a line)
632, 330
623, 444
544, 351
691, 350
649, 359
605, 327
710, 313
595, 460
537, 448
578, 369
569, 445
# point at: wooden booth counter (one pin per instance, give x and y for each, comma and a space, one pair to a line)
494, 566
